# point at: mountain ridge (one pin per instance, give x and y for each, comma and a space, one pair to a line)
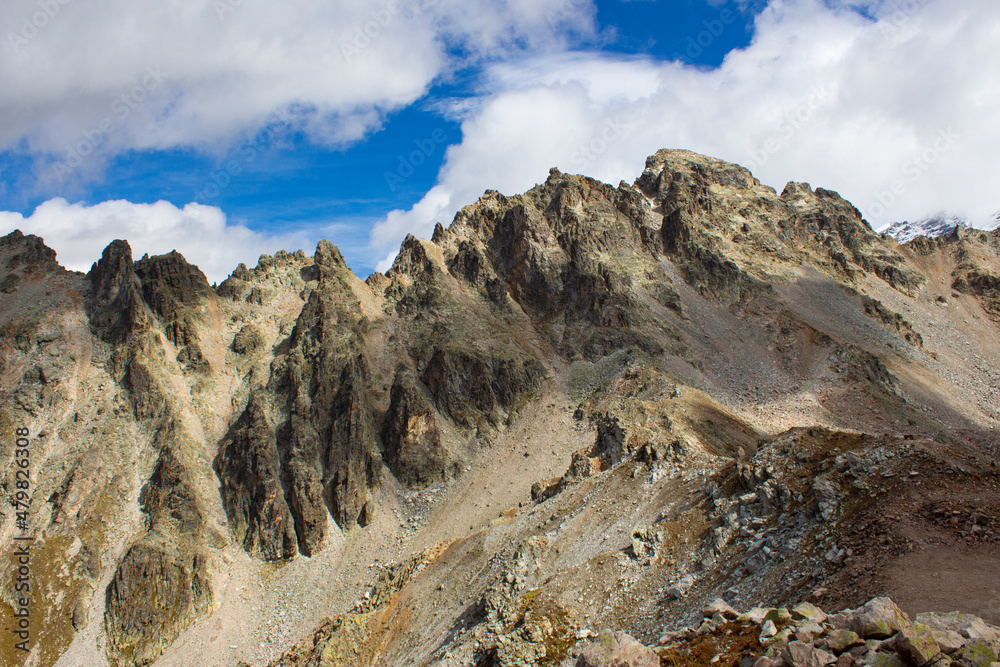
652, 349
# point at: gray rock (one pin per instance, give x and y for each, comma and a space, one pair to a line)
681, 588
801, 654
917, 644
879, 619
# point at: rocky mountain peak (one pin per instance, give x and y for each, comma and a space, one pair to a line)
30, 254
581, 406
114, 295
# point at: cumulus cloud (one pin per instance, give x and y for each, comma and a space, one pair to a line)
201, 233
155, 74
893, 106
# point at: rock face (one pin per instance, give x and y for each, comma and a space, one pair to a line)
174, 290
468, 387
700, 381
153, 596
413, 445
249, 467
115, 303
162, 583
321, 457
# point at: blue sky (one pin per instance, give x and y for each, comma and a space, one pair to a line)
226, 129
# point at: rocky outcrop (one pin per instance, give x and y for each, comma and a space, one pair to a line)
329, 450
29, 254
983, 286
325, 447
249, 469
114, 297
478, 391
892, 320
413, 447
162, 584
174, 290
157, 591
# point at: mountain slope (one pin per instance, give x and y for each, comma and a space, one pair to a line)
582, 406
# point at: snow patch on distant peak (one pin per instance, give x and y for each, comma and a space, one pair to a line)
939, 224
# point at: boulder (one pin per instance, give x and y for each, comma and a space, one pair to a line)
802, 654
976, 653
879, 619
719, 606
807, 611
841, 640
916, 643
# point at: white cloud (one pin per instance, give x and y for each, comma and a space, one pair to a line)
223, 66
80, 233
822, 94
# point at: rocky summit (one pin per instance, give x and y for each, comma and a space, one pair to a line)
581, 425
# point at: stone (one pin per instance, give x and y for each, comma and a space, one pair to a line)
802, 654
976, 653
916, 643
779, 615
755, 615
806, 611
681, 588
841, 640
884, 660
768, 629
617, 650
948, 640
815, 629
780, 639
719, 606
879, 619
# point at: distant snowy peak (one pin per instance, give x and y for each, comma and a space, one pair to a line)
940, 224
932, 225
994, 221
